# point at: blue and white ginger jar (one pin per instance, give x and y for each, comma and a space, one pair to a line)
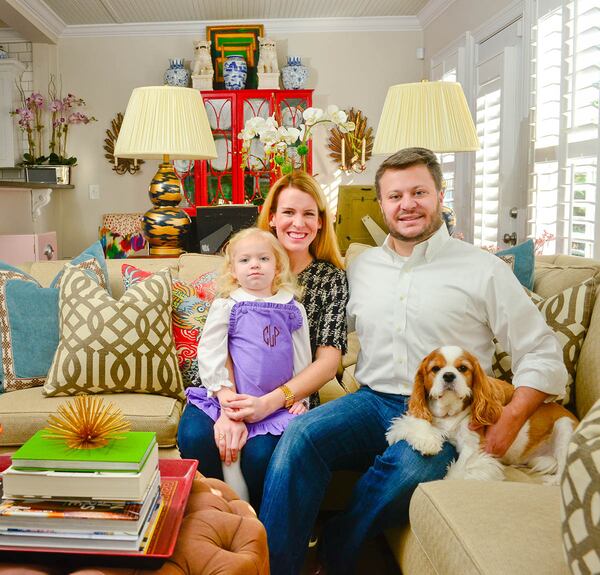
235, 72
177, 74
295, 74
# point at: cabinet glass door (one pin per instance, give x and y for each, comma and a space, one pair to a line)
219, 176
289, 111
256, 173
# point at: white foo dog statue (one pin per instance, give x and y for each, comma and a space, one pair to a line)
202, 68
267, 68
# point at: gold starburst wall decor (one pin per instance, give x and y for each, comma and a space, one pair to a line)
351, 150
86, 422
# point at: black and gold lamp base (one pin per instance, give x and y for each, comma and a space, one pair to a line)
166, 224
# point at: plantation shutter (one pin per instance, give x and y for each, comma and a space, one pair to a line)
564, 125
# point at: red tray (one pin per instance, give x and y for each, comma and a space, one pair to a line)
181, 472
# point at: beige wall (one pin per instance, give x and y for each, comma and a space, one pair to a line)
459, 17
347, 69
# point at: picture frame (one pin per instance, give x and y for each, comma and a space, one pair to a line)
235, 40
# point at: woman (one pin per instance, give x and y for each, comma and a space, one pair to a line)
296, 212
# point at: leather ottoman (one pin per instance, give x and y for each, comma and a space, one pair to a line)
220, 535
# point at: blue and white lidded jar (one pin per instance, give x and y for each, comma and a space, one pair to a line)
235, 72
177, 74
295, 74
3, 53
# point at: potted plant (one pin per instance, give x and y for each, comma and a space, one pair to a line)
56, 166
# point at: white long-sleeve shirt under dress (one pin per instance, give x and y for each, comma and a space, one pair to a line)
448, 292
214, 348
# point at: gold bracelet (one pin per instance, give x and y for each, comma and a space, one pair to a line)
289, 396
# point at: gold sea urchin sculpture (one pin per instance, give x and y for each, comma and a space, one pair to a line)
86, 422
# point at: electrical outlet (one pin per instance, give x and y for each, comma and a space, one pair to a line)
94, 191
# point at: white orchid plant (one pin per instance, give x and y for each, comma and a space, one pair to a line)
278, 141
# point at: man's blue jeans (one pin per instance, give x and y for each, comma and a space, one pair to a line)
348, 433
196, 440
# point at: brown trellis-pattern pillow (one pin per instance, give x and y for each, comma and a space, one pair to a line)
568, 314
580, 496
109, 346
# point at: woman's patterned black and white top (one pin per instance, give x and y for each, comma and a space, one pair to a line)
325, 298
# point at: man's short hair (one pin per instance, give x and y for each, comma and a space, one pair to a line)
407, 158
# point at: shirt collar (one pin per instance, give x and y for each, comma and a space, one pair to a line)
423, 250
282, 296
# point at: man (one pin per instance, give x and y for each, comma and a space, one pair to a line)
420, 290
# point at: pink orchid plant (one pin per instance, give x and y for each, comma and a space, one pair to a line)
63, 114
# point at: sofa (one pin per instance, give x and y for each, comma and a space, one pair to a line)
219, 533
516, 526
455, 526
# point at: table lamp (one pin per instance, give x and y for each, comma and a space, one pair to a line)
167, 123
432, 115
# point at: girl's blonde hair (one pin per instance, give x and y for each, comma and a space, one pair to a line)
324, 246
284, 278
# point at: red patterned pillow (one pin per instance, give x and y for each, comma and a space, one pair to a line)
191, 302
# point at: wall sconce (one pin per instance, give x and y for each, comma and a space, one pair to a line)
351, 150
120, 165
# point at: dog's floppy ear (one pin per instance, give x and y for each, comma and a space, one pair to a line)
417, 404
487, 398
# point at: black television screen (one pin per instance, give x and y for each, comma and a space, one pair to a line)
216, 224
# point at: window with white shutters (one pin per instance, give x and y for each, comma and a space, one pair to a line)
487, 164
564, 125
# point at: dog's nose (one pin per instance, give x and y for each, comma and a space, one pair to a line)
448, 377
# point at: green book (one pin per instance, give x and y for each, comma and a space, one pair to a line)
126, 454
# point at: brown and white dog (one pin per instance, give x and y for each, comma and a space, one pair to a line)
451, 391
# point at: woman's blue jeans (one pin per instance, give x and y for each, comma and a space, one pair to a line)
196, 440
347, 433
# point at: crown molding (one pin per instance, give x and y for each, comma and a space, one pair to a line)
40, 14
433, 10
274, 26
10, 35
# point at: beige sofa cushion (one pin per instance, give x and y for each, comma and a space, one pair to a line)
192, 265
26, 411
485, 527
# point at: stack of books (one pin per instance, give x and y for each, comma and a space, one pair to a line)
106, 499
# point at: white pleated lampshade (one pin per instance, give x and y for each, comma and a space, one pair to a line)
165, 121
432, 115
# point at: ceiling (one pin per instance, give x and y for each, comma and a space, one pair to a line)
48, 20
78, 12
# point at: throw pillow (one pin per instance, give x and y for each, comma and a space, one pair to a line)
568, 314
29, 320
580, 496
109, 346
191, 302
521, 259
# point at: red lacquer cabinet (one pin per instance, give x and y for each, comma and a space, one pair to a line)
224, 180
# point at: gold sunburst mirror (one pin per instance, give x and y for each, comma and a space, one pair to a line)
120, 165
350, 151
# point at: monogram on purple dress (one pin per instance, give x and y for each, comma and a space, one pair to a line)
261, 349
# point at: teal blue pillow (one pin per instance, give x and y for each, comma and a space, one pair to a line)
29, 320
522, 260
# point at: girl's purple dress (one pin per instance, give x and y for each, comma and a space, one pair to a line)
261, 349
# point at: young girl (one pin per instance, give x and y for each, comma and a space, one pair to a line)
254, 341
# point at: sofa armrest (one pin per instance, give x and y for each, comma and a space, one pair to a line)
587, 377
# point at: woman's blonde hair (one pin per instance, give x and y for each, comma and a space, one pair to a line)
284, 278
324, 246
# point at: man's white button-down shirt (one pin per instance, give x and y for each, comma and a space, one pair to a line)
448, 292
